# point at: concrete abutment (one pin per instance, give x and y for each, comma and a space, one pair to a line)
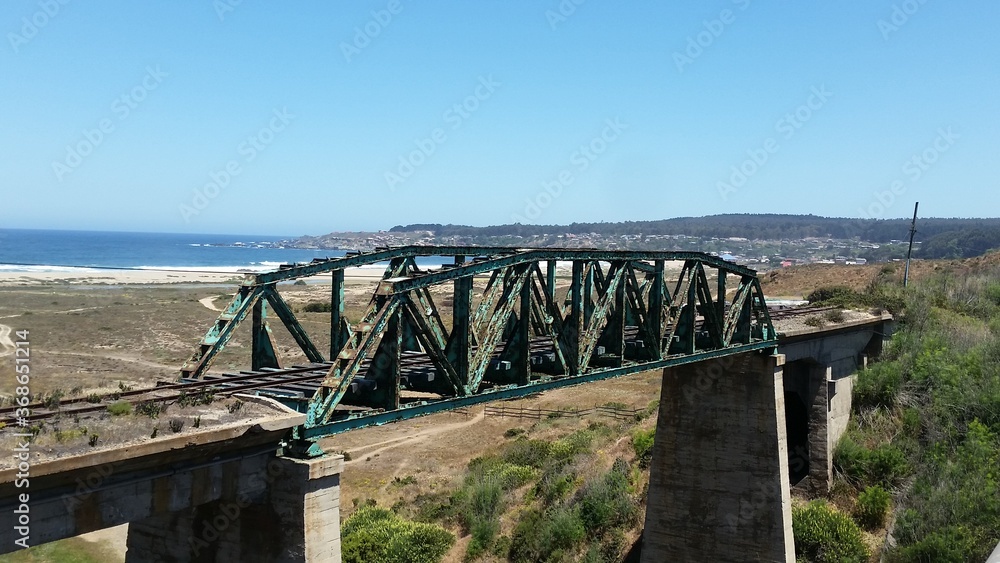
292, 515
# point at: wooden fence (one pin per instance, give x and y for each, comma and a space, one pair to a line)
611, 411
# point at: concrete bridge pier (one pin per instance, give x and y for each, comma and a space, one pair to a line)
290, 513
718, 484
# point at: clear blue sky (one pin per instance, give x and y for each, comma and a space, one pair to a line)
342, 115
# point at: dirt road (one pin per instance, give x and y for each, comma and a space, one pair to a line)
361, 453
209, 302
6, 344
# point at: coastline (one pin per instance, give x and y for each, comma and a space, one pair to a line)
102, 277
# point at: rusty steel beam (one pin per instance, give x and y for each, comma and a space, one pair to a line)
619, 313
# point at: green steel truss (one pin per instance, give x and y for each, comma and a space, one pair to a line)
519, 321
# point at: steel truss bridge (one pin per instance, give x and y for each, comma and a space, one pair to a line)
517, 326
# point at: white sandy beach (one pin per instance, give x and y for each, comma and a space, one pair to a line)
93, 276
43, 275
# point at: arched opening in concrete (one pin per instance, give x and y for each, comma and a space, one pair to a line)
797, 429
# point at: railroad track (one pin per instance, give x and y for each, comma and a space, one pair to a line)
294, 381
225, 384
778, 314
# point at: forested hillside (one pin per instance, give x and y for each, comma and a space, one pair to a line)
942, 238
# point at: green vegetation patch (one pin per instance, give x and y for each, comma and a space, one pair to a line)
872, 508
568, 509
642, 444
826, 536
120, 408
926, 423
72, 550
607, 502
546, 535
377, 534
317, 307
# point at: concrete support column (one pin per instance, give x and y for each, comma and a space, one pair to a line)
290, 513
307, 503
820, 447
718, 484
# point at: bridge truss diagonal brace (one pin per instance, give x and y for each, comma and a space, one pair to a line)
433, 337
606, 307
490, 334
221, 332
345, 367
288, 319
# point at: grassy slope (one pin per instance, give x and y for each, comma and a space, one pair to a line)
73, 550
926, 420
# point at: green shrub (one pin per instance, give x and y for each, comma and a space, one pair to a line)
151, 409
507, 475
317, 307
885, 465
513, 432
71, 434
653, 407
532, 453
579, 442
956, 496
501, 547
203, 397
950, 545
53, 400
642, 443
823, 535
541, 536
483, 498
555, 484
834, 315
872, 508
830, 293
911, 422
565, 528
483, 507
408, 480
377, 534
606, 502
120, 408
877, 386
851, 458
483, 533
815, 322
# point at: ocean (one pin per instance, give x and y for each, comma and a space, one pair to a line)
28, 250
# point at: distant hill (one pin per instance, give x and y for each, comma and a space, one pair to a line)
941, 237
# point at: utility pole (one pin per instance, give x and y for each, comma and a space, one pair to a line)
913, 231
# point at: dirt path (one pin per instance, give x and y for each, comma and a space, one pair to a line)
209, 302
411, 438
6, 343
